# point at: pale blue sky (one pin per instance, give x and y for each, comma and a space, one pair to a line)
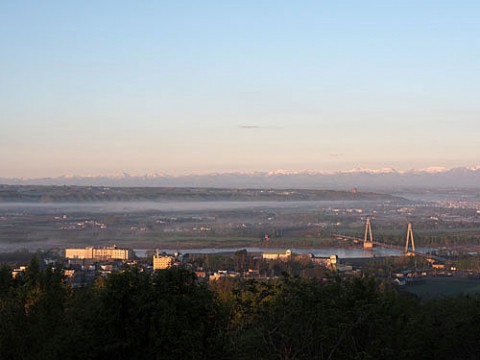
105, 87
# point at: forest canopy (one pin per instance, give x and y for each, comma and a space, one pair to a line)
132, 314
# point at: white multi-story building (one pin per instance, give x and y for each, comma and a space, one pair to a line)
86, 253
284, 256
106, 253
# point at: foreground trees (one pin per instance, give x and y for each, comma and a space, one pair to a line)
134, 315
129, 315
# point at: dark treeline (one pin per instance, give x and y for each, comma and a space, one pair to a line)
170, 315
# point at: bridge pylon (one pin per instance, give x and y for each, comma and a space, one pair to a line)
368, 238
409, 239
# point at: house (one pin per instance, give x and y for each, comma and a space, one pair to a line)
223, 274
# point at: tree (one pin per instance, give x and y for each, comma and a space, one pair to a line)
240, 260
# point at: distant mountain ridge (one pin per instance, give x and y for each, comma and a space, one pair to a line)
431, 177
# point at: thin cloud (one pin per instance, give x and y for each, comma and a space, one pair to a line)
249, 127
336, 155
253, 126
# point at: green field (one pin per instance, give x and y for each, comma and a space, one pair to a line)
443, 287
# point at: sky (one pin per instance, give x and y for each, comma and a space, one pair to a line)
187, 87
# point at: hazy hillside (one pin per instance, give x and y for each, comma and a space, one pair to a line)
35, 193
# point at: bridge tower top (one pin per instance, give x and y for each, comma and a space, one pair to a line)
409, 239
368, 238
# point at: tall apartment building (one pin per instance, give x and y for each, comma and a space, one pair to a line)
161, 262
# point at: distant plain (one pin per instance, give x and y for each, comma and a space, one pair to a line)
42, 217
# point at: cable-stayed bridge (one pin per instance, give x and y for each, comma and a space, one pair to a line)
408, 250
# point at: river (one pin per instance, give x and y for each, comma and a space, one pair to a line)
341, 252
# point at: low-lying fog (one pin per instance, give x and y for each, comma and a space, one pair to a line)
112, 207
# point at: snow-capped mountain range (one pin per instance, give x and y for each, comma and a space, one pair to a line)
431, 177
